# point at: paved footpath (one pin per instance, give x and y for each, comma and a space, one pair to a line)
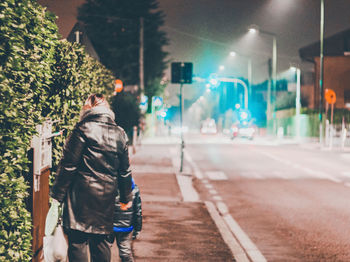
173, 229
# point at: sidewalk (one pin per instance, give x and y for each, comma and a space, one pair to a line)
173, 230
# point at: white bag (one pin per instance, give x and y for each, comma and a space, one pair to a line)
52, 218
56, 246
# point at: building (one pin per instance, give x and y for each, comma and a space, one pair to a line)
336, 68
78, 34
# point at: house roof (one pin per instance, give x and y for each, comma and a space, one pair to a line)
335, 45
83, 39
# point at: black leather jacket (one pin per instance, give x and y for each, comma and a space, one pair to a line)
94, 168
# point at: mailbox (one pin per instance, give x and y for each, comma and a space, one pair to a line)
42, 146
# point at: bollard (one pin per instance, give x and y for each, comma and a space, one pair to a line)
343, 138
134, 139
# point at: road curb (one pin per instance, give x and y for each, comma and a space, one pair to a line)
237, 251
237, 240
189, 194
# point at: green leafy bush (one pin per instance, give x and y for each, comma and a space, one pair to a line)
40, 77
27, 42
76, 75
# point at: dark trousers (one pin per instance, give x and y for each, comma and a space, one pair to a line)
124, 242
79, 242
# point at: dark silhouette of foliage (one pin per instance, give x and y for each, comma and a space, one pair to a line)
127, 112
114, 29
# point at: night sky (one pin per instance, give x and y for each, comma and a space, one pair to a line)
205, 31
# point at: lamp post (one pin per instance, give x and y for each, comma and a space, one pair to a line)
297, 101
321, 70
255, 29
249, 72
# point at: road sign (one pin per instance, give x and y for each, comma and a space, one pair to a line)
118, 85
157, 101
144, 103
144, 100
330, 96
181, 73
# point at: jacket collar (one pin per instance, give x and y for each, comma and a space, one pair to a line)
97, 112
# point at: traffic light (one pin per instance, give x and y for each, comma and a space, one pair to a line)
181, 73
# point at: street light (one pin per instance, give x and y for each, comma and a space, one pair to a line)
297, 100
321, 70
255, 29
221, 67
233, 54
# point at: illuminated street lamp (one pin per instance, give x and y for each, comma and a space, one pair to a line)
232, 53
255, 29
221, 67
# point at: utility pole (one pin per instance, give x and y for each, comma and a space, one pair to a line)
249, 77
181, 122
321, 70
274, 80
297, 104
269, 84
181, 73
142, 88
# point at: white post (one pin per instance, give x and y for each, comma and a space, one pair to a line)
331, 132
249, 77
77, 37
343, 133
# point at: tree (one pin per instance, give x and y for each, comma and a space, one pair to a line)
114, 29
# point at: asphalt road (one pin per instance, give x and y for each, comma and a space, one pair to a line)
293, 201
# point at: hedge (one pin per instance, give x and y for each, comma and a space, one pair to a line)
40, 77
76, 75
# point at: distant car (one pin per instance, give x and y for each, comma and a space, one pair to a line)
243, 129
209, 127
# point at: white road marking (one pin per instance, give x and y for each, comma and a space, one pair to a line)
222, 208
346, 156
346, 173
246, 247
252, 250
317, 174
213, 192
195, 168
205, 181
209, 186
216, 175
281, 174
189, 194
217, 198
251, 174
237, 251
